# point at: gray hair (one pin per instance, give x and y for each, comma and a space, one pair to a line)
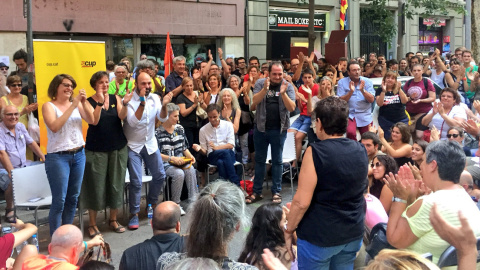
194, 263
145, 64
171, 107
120, 66
235, 77
179, 58
235, 104
450, 159
275, 63
2, 112
218, 210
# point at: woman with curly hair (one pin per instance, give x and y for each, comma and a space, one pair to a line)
382, 165
266, 232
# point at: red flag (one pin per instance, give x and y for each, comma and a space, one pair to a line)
343, 12
168, 59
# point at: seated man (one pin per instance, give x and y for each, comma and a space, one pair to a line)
13, 141
466, 181
64, 250
166, 238
217, 140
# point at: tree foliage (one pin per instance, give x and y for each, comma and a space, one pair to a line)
383, 16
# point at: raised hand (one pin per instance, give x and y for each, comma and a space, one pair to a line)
128, 96
381, 133
283, 87
415, 171
220, 53
384, 86
100, 97
311, 58
167, 99
434, 134
471, 127
352, 86
210, 56
435, 107
307, 89
441, 110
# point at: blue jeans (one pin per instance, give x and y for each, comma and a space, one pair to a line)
224, 160
154, 164
65, 175
340, 257
276, 139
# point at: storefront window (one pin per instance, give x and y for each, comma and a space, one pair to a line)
430, 35
122, 47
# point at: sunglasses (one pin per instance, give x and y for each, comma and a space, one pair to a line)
16, 85
452, 135
377, 164
4, 68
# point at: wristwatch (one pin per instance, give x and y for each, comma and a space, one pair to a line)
286, 230
396, 199
99, 104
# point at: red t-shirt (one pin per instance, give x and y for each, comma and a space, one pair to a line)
6, 246
303, 106
42, 262
421, 93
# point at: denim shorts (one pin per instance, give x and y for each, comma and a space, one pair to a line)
4, 179
302, 124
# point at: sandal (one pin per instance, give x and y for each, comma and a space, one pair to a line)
95, 231
253, 198
277, 198
119, 228
12, 218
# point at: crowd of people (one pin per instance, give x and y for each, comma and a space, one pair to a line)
354, 173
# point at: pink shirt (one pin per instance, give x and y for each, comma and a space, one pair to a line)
375, 211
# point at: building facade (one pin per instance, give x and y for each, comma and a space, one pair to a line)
130, 28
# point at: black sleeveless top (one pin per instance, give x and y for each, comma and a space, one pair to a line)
107, 135
337, 210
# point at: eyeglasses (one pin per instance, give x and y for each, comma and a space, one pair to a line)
452, 135
67, 85
16, 85
12, 114
378, 164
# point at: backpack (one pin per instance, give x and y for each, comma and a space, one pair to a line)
425, 83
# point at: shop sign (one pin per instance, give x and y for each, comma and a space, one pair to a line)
283, 20
434, 22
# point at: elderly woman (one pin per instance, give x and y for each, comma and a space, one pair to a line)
399, 147
446, 113
173, 148
328, 209
231, 112
216, 215
244, 96
106, 155
14, 83
382, 165
188, 102
391, 99
421, 94
65, 160
408, 224
120, 85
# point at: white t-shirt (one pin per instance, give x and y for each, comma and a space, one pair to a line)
441, 125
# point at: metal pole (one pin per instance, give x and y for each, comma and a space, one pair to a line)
468, 25
311, 28
32, 98
245, 36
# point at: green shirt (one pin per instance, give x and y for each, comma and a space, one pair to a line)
112, 88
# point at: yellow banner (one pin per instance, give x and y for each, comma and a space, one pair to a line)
80, 59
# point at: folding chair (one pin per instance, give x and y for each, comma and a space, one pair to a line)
146, 178
288, 155
235, 165
31, 188
449, 256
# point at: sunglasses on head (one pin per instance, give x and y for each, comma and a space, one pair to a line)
452, 135
377, 164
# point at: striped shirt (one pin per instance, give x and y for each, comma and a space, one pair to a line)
172, 144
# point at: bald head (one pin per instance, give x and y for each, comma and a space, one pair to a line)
466, 180
66, 236
166, 216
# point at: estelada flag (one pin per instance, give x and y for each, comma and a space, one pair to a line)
343, 12
168, 59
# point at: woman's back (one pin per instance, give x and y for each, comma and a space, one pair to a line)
337, 211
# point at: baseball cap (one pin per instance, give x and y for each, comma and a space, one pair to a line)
3, 65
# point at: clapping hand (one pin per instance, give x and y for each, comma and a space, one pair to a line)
128, 96
220, 53
399, 184
307, 89
362, 85
381, 133
210, 56
167, 99
471, 127
384, 86
415, 171
434, 134
266, 84
283, 87
352, 86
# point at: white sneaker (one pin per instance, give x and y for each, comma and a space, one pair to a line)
182, 212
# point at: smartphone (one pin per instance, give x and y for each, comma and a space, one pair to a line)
6, 230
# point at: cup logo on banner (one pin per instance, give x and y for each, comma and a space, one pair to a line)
79, 59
